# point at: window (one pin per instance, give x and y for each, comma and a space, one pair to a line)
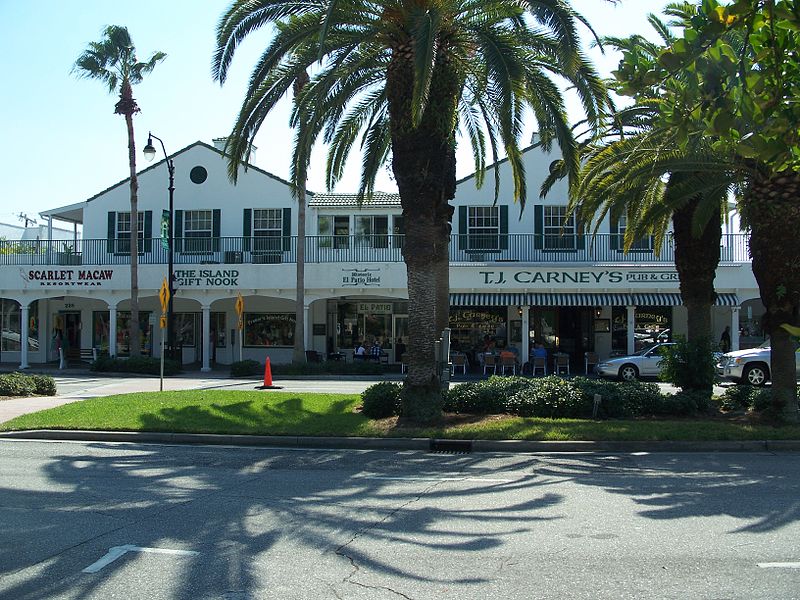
185, 324
267, 229
372, 231
338, 228
218, 329
483, 227
12, 326
398, 231
643, 243
123, 231
559, 232
197, 230
268, 329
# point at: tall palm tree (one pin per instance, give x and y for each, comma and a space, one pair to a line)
299, 354
113, 61
403, 77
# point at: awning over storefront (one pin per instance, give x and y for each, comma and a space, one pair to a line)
540, 299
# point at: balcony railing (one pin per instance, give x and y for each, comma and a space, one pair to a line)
522, 248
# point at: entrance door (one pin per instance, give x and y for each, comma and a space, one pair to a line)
573, 333
72, 334
400, 336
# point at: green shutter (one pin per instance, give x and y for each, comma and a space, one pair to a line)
215, 228
462, 228
504, 227
614, 229
287, 229
247, 223
538, 226
148, 231
112, 226
178, 233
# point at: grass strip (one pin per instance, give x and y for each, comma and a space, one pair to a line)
286, 413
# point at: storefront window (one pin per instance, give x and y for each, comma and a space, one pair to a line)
652, 324
185, 327
470, 328
268, 329
12, 327
100, 327
123, 333
218, 329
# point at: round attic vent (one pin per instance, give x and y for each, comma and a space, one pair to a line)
198, 175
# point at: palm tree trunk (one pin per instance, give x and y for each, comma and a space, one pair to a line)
299, 353
696, 260
771, 208
134, 329
444, 217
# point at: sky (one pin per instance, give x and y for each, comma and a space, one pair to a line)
63, 142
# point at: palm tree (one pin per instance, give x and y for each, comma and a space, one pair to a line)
299, 354
403, 77
113, 61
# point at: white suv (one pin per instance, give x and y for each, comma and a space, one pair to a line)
750, 366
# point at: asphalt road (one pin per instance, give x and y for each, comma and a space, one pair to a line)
246, 523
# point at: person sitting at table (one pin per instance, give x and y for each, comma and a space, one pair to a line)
539, 351
360, 352
375, 351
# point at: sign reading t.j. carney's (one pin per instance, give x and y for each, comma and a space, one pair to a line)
602, 278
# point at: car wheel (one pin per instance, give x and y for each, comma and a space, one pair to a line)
755, 375
628, 372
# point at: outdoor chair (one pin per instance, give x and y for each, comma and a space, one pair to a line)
539, 364
508, 362
561, 364
590, 358
489, 362
458, 361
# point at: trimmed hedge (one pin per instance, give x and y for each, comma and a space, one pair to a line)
145, 365
20, 384
381, 400
555, 397
245, 368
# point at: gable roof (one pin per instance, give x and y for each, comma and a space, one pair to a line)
536, 144
246, 166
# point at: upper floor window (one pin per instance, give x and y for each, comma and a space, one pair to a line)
559, 229
123, 233
336, 231
483, 227
198, 228
267, 229
372, 231
644, 243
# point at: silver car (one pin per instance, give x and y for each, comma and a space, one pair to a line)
752, 366
645, 363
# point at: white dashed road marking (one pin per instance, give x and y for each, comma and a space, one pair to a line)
117, 551
780, 565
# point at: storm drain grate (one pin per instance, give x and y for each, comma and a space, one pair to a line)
451, 446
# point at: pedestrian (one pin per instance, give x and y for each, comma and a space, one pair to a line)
725, 340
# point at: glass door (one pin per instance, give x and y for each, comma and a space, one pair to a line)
400, 337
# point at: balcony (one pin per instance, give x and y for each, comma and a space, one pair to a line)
511, 248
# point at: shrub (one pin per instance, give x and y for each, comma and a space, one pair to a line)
613, 403
45, 385
761, 399
552, 397
145, 365
17, 384
487, 397
685, 402
689, 365
245, 368
381, 400
737, 397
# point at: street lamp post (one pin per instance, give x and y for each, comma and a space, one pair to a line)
149, 154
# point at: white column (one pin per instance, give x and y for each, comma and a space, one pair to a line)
631, 325
524, 348
206, 339
75, 235
112, 329
734, 328
23, 335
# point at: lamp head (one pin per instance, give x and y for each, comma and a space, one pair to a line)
149, 150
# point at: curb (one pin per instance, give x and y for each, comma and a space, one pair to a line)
419, 444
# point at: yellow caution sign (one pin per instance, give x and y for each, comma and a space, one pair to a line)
240, 325
239, 306
163, 295
163, 322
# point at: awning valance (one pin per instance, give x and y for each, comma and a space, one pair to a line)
579, 299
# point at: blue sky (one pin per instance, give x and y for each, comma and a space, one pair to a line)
63, 142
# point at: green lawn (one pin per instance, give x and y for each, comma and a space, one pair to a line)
283, 413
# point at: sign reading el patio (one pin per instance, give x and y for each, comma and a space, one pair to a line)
67, 277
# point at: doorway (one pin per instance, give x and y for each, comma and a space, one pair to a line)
72, 334
400, 336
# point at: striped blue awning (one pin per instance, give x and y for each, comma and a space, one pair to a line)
582, 299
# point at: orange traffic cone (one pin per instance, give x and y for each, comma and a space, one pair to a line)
268, 378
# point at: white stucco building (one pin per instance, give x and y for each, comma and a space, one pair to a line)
518, 277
